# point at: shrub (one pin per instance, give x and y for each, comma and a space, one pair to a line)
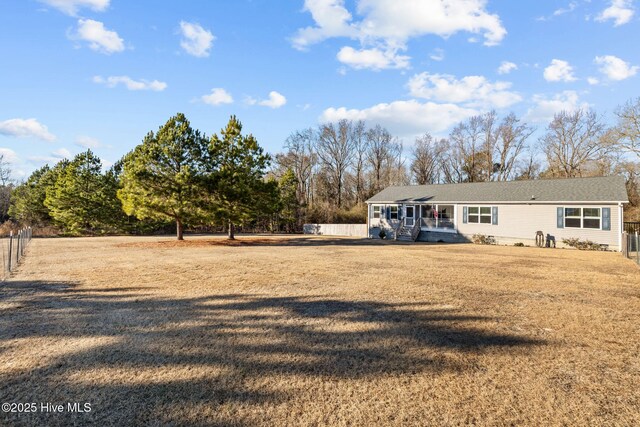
583, 245
382, 234
519, 244
481, 239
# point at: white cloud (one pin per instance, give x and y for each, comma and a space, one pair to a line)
53, 158
62, 153
558, 12
506, 67
88, 142
218, 96
384, 19
437, 55
99, 38
8, 155
71, 7
545, 108
129, 83
196, 40
332, 20
25, 128
615, 68
620, 11
559, 71
386, 26
374, 59
275, 100
592, 81
572, 6
471, 91
404, 117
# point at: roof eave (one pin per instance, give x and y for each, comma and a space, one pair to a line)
519, 202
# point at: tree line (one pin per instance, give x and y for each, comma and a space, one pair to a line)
179, 176
337, 166
176, 174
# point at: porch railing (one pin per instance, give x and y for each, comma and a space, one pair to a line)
446, 223
415, 230
396, 230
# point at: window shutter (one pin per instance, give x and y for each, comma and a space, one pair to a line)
465, 212
494, 215
400, 211
560, 217
606, 218
387, 212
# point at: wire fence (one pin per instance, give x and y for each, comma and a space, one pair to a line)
631, 246
13, 249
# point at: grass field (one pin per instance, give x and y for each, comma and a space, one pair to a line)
317, 331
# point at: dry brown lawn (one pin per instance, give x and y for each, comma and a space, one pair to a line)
317, 331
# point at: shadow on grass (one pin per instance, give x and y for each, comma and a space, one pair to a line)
219, 348
242, 241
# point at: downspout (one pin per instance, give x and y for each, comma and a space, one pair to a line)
368, 226
620, 226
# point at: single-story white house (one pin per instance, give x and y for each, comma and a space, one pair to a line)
509, 212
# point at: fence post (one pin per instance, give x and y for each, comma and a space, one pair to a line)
10, 250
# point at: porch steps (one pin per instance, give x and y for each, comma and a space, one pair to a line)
404, 234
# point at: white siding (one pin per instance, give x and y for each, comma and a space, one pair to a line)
522, 221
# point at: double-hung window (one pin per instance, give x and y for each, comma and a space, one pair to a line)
376, 211
479, 214
582, 218
393, 212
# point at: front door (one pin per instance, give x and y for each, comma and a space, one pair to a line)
409, 215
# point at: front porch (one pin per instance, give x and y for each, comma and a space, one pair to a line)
411, 221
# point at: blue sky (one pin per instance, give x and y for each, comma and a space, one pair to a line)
102, 73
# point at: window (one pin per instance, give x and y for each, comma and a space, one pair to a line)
479, 214
572, 217
393, 212
376, 211
591, 218
582, 218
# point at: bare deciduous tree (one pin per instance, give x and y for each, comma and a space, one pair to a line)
384, 149
427, 159
5, 171
6, 187
335, 149
361, 146
490, 133
466, 149
510, 143
573, 140
301, 159
628, 128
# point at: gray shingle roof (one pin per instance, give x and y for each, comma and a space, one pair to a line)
600, 189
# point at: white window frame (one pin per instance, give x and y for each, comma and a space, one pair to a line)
599, 218
396, 213
479, 215
582, 217
373, 211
